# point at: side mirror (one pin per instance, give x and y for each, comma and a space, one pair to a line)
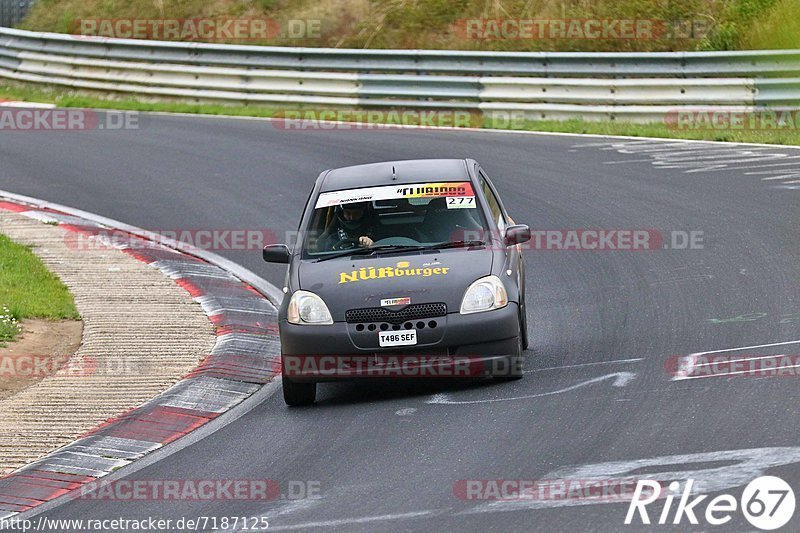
276, 253
517, 234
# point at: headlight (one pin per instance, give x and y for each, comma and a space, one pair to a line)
307, 308
483, 295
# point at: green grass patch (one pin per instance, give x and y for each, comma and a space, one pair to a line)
27, 93
29, 290
67, 98
778, 29
784, 136
167, 107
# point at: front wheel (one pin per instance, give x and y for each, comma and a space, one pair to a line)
523, 325
514, 364
298, 394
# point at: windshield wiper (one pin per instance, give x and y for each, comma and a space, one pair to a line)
402, 248
375, 250
454, 244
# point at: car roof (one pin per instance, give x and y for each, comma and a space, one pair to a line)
409, 171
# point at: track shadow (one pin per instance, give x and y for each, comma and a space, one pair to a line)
381, 390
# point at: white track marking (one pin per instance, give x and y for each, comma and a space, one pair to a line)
749, 347
620, 380
745, 359
347, 521
734, 373
293, 506
694, 366
701, 277
29, 105
791, 172
616, 361
695, 166
786, 159
626, 162
692, 358
711, 471
719, 154
784, 177
701, 157
655, 148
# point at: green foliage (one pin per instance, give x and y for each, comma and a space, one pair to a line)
724, 24
28, 289
9, 326
779, 29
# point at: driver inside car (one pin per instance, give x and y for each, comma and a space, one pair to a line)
352, 226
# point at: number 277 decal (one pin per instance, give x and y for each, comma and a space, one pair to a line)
460, 202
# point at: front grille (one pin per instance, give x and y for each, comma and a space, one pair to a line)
381, 314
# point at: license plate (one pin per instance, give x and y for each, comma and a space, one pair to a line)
406, 337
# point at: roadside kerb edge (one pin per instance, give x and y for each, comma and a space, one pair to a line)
245, 357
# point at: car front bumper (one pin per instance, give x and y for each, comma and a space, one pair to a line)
455, 346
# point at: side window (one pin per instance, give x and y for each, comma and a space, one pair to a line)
291, 241
494, 205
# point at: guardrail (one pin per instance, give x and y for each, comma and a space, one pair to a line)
638, 87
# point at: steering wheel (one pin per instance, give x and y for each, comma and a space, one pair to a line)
399, 241
345, 244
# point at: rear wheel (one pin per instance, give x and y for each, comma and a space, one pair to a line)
298, 394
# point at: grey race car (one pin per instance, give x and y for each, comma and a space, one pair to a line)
402, 269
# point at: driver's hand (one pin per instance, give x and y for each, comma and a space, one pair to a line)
365, 241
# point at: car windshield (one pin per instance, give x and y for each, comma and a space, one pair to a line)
394, 217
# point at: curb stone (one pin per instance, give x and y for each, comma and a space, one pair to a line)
244, 358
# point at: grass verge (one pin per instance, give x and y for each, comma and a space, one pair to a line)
28, 290
782, 136
787, 135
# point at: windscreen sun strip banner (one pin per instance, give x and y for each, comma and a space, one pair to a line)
391, 192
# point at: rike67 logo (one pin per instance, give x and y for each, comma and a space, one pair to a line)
767, 503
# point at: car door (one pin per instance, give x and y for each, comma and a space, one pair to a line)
514, 262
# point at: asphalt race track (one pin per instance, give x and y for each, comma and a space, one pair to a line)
604, 325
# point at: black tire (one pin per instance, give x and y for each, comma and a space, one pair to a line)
298, 394
514, 369
523, 325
